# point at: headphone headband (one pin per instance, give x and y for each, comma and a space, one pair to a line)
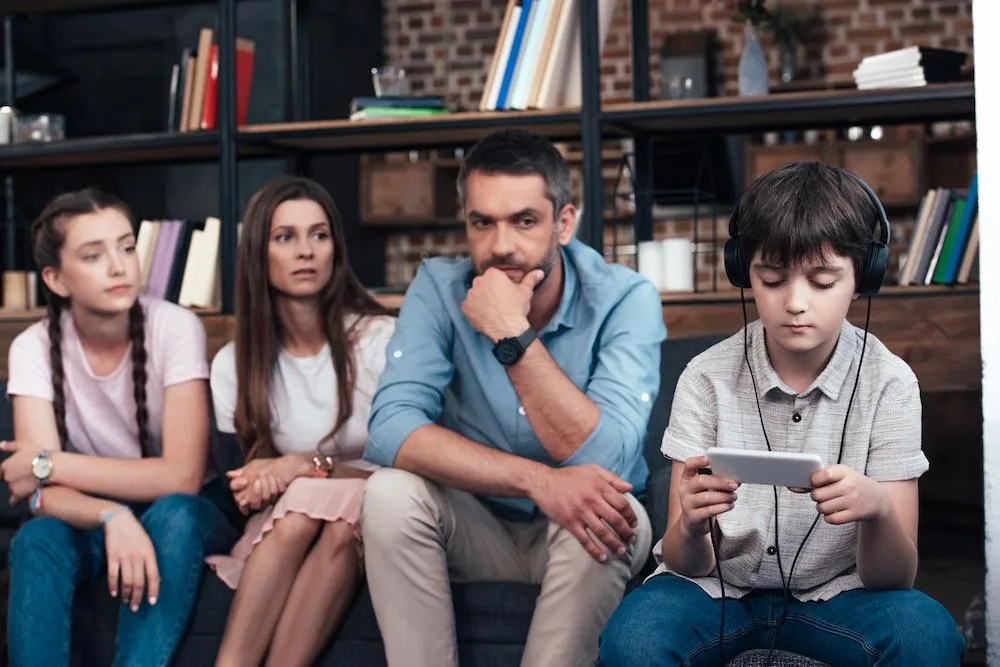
872, 272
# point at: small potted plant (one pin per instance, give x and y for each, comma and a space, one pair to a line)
753, 64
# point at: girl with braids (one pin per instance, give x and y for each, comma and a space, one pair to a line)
296, 387
110, 400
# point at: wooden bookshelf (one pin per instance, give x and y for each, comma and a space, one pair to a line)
403, 134
809, 109
154, 147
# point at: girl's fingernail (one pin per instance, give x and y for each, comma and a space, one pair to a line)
152, 601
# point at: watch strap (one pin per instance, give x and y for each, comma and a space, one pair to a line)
527, 338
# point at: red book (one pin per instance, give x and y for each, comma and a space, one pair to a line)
244, 78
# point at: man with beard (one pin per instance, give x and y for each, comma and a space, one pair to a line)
510, 419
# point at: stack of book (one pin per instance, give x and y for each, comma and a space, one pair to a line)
194, 85
944, 248
536, 64
910, 67
396, 106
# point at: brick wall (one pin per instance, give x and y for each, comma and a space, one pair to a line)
446, 45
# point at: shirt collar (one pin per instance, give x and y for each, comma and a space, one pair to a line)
566, 313
830, 380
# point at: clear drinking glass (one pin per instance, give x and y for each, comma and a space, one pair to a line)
388, 80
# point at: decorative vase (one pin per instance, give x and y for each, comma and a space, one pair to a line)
753, 64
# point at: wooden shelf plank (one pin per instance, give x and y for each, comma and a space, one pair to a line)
35, 6
112, 149
455, 129
812, 109
731, 295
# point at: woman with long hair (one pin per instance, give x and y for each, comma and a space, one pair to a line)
295, 386
111, 424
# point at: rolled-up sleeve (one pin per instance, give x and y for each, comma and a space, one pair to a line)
625, 381
418, 369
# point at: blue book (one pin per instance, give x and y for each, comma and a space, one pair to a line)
957, 251
515, 52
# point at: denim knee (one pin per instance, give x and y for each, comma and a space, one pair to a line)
45, 541
178, 522
633, 635
925, 628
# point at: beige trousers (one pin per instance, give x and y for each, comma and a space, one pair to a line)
420, 536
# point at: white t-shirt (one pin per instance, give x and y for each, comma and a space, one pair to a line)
304, 400
100, 409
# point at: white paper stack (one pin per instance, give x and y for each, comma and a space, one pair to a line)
910, 67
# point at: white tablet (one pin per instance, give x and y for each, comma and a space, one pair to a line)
764, 467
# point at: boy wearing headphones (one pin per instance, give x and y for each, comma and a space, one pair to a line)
826, 572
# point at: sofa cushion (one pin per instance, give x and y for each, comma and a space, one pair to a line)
675, 353
491, 613
10, 517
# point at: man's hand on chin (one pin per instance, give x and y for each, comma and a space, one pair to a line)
496, 306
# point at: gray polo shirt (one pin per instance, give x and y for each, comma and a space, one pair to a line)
714, 406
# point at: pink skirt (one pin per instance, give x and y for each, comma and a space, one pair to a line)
322, 499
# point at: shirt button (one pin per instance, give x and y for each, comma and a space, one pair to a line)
520, 410
796, 417
397, 354
771, 550
644, 396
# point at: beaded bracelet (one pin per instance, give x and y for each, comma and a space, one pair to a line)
107, 515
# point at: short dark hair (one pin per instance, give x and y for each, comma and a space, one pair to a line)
789, 215
519, 153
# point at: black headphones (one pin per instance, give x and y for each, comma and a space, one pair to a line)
872, 271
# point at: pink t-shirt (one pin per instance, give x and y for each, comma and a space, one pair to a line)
100, 410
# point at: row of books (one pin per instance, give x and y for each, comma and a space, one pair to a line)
179, 261
909, 67
194, 85
536, 64
944, 248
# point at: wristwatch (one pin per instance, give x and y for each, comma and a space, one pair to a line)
41, 468
322, 465
509, 350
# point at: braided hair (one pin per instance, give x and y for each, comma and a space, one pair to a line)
48, 237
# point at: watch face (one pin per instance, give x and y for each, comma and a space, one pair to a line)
42, 468
507, 351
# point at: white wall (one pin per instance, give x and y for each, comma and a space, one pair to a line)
986, 28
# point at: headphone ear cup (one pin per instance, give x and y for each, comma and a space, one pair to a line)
870, 280
736, 271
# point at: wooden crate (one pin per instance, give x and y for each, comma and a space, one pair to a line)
408, 193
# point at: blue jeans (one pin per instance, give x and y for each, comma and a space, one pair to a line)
49, 559
671, 621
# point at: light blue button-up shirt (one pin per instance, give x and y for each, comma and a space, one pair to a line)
605, 336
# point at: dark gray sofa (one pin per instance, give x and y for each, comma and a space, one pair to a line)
492, 618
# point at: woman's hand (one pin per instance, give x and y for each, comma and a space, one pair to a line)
262, 481
131, 558
16, 470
